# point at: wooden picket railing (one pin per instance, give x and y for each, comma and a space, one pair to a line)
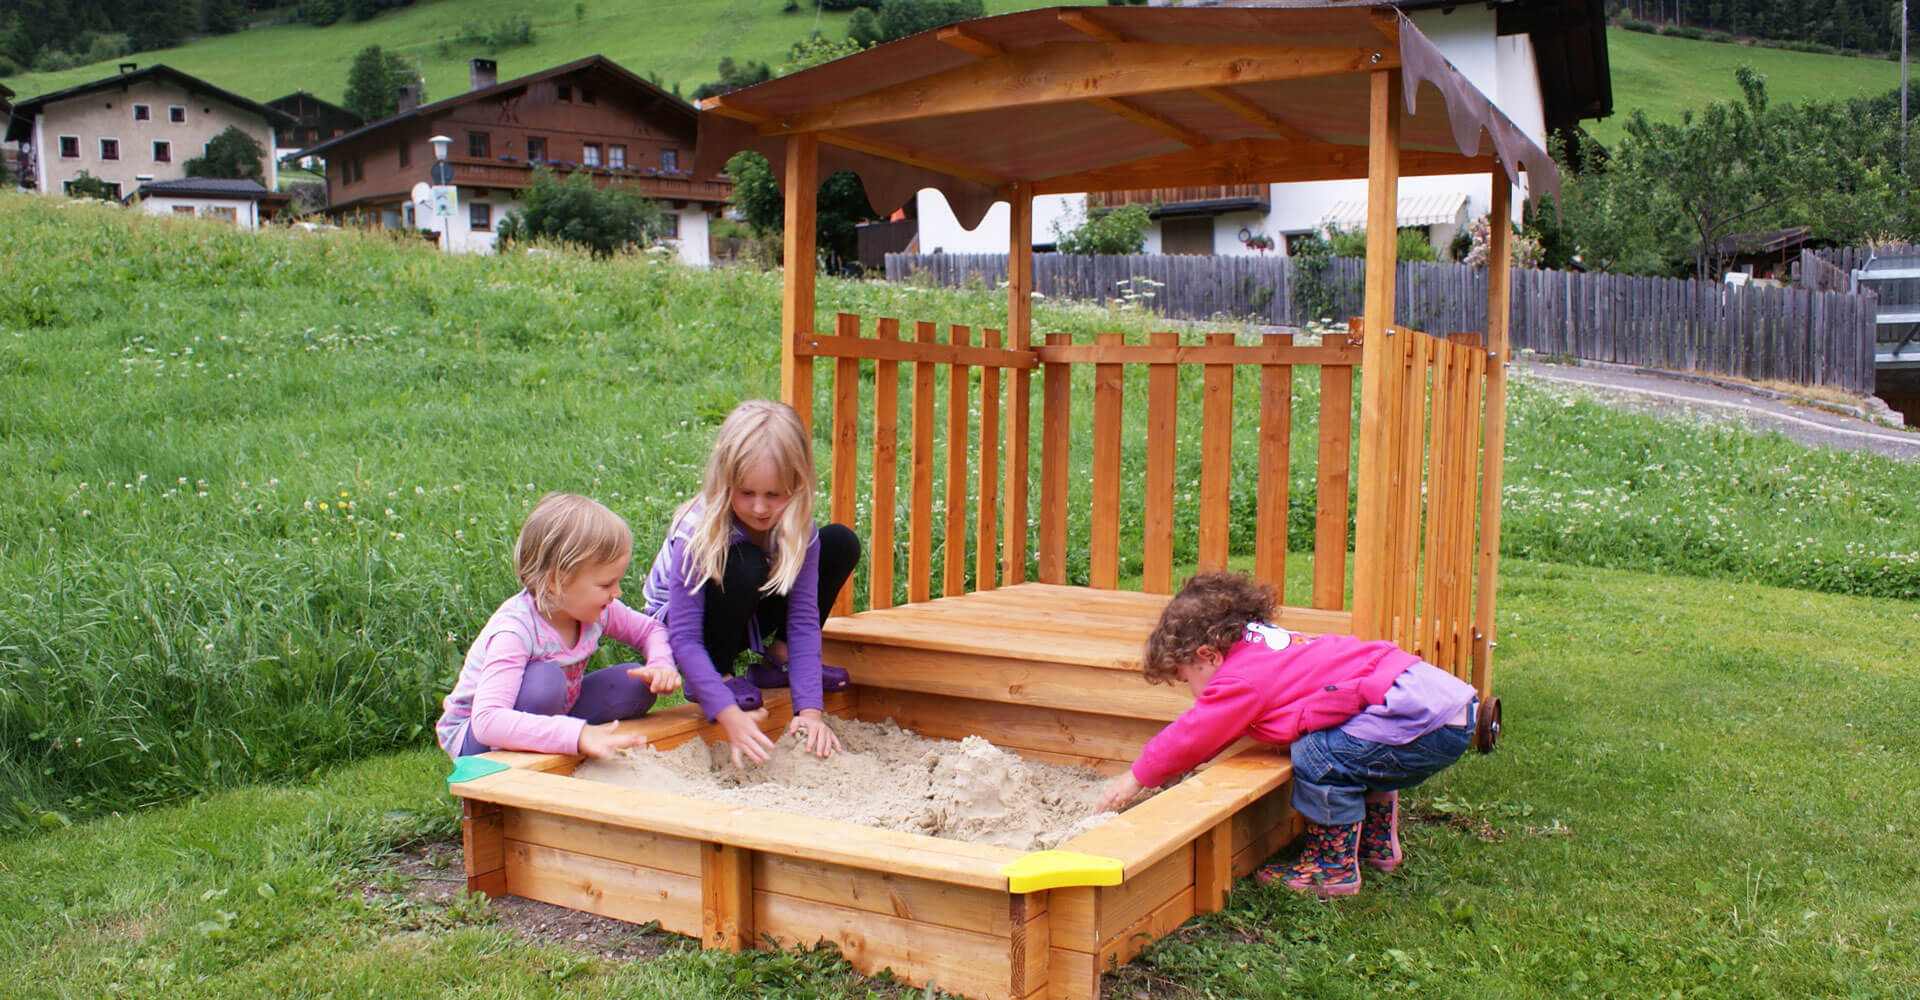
977, 443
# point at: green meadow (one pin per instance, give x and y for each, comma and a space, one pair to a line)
261, 492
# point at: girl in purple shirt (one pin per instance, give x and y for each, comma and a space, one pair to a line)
1362, 719
744, 568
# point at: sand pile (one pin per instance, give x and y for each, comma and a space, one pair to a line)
884, 777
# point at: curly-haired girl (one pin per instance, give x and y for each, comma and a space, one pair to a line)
1364, 720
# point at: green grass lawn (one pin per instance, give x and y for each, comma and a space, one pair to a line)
680, 41
261, 490
1666, 76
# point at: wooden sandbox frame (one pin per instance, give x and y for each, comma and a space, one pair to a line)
1009, 650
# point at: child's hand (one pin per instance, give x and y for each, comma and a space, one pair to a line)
744, 735
1118, 792
820, 740
603, 741
660, 677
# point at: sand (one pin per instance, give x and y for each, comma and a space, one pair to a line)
884, 777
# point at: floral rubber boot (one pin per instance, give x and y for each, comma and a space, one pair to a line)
1380, 833
1329, 865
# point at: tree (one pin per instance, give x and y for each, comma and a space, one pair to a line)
220, 17
840, 206
374, 82
602, 220
1120, 230
88, 186
232, 154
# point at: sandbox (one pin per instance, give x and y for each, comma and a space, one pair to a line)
934, 911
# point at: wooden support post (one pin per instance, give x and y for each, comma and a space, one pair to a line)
886, 450
1270, 507
1056, 419
1330, 487
1494, 444
1103, 554
1379, 360
483, 842
920, 484
953, 558
797, 293
1213, 867
1013, 563
1216, 464
1163, 417
986, 562
726, 897
846, 443
1031, 948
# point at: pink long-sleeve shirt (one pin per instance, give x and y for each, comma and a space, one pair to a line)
1273, 685
515, 638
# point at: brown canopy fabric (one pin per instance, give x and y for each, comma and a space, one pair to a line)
1110, 98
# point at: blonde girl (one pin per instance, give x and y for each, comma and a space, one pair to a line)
744, 568
524, 686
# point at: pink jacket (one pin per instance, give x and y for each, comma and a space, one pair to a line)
1274, 685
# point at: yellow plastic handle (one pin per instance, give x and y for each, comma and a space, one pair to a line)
1060, 869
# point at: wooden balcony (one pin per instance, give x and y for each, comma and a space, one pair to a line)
1190, 200
471, 172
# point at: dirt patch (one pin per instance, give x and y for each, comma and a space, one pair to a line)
884, 777
424, 884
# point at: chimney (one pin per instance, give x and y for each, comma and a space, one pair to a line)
482, 73
409, 98
129, 67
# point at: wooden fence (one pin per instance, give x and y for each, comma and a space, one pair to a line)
1785, 334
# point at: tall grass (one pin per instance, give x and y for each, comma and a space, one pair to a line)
262, 486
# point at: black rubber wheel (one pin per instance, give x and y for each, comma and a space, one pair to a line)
1487, 732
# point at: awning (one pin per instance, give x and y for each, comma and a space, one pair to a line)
1415, 210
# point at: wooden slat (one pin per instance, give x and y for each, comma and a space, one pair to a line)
1440, 493
1157, 480
1065, 682
1103, 567
886, 446
609, 888
797, 288
960, 961
1013, 565
846, 444
1410, 481
1213, 867
726, 897
1276, 435
1220, 352
1056, 419
1150, 831
1016, 727
986, 554
920, 486
1493, 448
1072, 969
1263, 827
624, 844
1331, 488
981, 910
940, 354
1216, 461
483, 847
1371, 574
789, 834
953, 557
1030, 944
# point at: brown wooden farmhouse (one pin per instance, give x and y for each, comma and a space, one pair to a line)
589, 114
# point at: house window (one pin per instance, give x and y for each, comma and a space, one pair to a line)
669, 225
406, 156
586, 95
669, 159
407, 216
616, 156
69, 147
109, 149
177, 114
163, 152
536, 148
480, 216
183, 209
564, 92
590, 154
227, 212
479, 145
142, 113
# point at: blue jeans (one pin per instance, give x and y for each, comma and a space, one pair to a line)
1333, 772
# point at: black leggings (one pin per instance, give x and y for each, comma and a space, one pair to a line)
737, 599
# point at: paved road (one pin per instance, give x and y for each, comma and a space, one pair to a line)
1708, 399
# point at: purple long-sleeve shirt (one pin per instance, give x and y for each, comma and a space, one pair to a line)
684, 609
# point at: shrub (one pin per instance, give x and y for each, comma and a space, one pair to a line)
1120, 230
602, 220
88, 186
232, 154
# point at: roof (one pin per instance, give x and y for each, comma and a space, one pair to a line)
1414, 210
323, 102
673, 105
1111, 98
209, 187
1570, 53
25, 111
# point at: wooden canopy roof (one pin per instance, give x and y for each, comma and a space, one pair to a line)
1111, 98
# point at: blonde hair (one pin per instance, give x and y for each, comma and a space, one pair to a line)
756, 429
564, 534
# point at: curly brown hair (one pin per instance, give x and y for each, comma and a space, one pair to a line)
1213, 609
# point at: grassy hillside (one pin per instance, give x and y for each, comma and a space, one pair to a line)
680, 40
1666, 75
